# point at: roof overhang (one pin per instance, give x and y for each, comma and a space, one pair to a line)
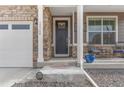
104, 8
67, 10
62, 10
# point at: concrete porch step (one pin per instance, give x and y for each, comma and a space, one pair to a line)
59, 62
104, 65
99, 63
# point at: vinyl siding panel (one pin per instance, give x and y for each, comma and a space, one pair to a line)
121, 31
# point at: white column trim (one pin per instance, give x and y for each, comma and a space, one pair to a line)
40, 33
80, 35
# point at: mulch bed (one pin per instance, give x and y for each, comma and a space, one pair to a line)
107, 78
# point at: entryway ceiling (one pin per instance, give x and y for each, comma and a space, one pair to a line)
62, 10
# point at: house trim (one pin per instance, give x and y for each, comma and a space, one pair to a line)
54, 32
40, 34
80, 35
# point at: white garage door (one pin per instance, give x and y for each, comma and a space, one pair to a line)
16, 44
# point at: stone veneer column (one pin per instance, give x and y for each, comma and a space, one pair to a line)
40, 33
47, 33
80, 35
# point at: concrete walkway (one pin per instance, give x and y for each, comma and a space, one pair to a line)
8, 76
68, 76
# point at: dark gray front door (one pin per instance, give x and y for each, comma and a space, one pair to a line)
61, 37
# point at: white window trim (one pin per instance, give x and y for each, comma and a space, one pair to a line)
22, 23
116, 32
10, 23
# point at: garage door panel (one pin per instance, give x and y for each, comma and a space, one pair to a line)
16, 48
18, 42
14, 54
15, 62
12, 39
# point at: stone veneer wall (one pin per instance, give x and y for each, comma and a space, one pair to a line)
47, 33
108, 52
105, 51
74, 51
22, 13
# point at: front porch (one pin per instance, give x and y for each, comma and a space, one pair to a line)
58, 32
106, 38
99, 63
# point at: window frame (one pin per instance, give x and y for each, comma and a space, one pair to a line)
102, 17
21, 23
18, 28
4, 25
10, 23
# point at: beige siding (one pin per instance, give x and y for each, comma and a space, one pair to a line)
121, 31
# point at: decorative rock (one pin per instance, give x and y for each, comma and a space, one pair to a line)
39, 75
107, 78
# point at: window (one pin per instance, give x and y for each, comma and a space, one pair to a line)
61, 25
3, 27
94, 25
102, 30
95, 37
20, 26
109, 38
109, 24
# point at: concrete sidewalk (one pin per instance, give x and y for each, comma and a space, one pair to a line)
8, 76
